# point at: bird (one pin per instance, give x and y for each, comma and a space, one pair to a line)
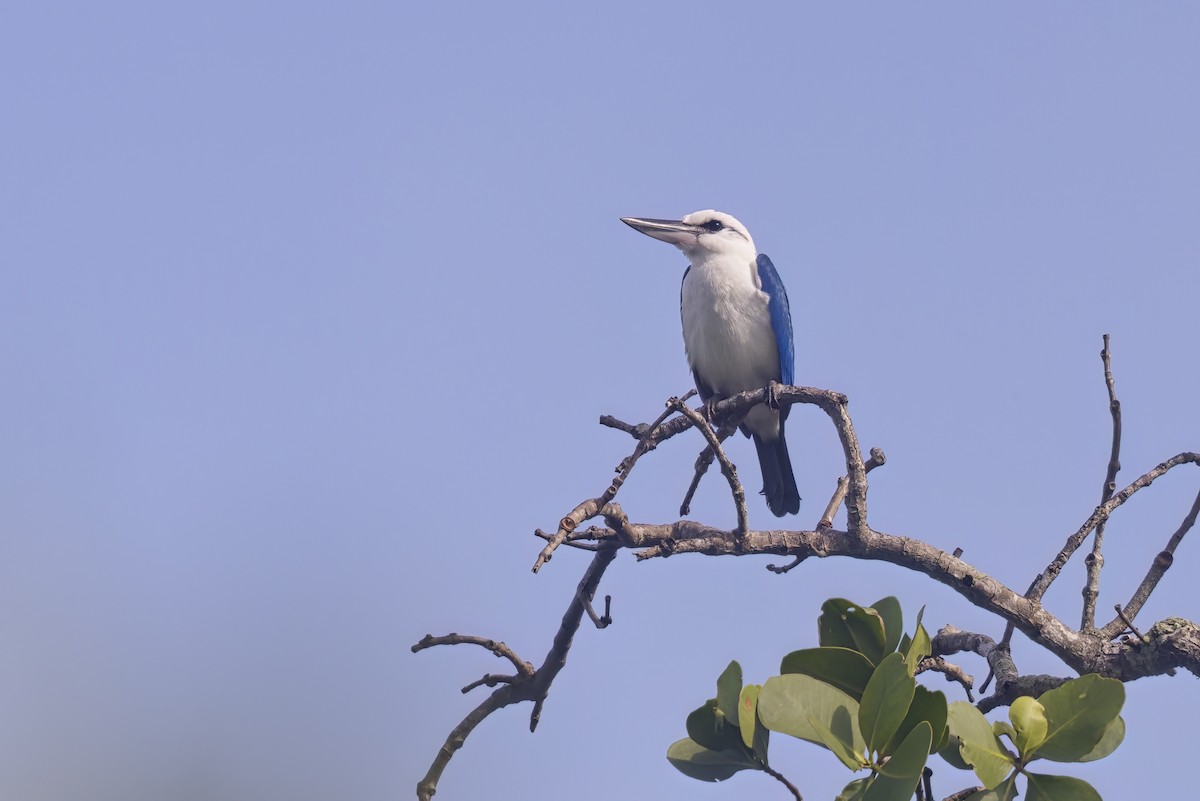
737, 331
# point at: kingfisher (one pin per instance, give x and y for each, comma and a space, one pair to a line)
737, 330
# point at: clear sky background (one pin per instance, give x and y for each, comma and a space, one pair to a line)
308, 312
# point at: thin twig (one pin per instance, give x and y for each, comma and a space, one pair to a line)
767, 769
573, 540
1128, 621
601, 621
703, 461
491, 680
951, 671
727, 467
835, 503
498, 648
878, 458
1095, 561
636, 431
1046, 578
1158, 568
590, 508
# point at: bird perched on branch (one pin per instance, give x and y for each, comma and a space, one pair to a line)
737, 329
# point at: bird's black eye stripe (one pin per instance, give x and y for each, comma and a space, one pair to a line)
713, 225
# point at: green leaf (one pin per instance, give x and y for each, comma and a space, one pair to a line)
694, 760
854, 791
1029, 719
926, 706
754, 733
951, 751
1113, 735
919, 648
1078, 715
1002, 727
729, 688
885, 702
978, 744
840, 748
1004, 791
1058, 788
898, 777
812, 710
845, 624
893, 621
709, 728
844, 668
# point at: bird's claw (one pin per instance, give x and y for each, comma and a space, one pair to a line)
773, 395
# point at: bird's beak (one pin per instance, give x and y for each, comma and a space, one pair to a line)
672, 231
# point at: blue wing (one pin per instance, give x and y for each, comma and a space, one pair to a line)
781, 317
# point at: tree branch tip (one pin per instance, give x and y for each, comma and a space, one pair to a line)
878, 459
535, 716
490, 680
779, 570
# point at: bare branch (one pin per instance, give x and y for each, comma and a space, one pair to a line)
490, 680
877, 458
1010, 684
636, 431
497, 648
590, 508
1095, 561
702, 464
952, 672
983, 591
531, 685
1158, 568
727, 467
1102, 513
835, 503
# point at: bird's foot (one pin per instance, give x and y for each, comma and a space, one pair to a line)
773, 395
708, 409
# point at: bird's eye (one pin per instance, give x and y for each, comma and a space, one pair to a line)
713, 225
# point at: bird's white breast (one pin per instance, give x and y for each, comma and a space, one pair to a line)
727, 326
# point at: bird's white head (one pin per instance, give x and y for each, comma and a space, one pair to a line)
701, 235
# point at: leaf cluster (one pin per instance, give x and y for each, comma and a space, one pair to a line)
856, 695
1077, 722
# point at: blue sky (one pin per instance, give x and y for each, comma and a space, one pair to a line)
308, 311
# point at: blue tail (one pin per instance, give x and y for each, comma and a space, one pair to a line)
779, 485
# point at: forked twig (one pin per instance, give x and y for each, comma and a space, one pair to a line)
727, 467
